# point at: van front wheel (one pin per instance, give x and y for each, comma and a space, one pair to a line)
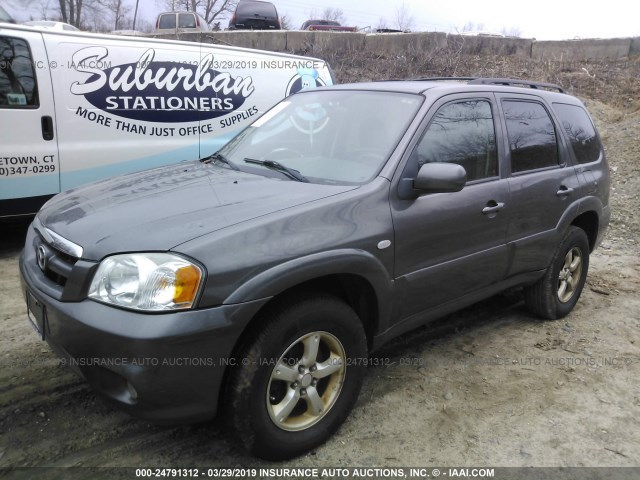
298, 378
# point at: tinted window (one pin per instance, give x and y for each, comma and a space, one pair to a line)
18, 87
462, 133
168, 21
187, 20
581, 132
256, 8
532, 137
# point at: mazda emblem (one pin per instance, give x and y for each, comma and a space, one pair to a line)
41, 255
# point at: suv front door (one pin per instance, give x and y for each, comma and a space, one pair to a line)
449, 244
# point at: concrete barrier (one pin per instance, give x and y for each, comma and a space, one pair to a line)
395, 43
482, 45
634, 51
588, 49
311, 43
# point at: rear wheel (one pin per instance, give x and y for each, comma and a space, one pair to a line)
298, 377
555, 294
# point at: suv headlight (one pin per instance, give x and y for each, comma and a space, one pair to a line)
146, 281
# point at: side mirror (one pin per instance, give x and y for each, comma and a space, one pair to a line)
440, 177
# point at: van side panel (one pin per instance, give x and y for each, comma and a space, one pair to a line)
124, 104
29, 163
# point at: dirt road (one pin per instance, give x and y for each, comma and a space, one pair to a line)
490, 386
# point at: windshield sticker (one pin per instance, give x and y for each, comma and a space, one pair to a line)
305, 79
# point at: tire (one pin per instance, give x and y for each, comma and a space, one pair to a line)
286, 396
555, 294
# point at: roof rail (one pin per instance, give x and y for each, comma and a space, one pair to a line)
442, 79
513, 81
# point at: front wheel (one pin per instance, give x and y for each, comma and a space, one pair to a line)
555, 294
298, 377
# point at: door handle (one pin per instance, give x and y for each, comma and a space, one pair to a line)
564, 191
492, 207
47, 127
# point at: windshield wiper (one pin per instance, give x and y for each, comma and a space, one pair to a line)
272, 164
219, 158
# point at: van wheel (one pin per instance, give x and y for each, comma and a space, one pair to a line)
298, 378
555, 294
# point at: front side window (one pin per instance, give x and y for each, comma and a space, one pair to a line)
532, 136
330, 137
462, 133
18, 88
581, 132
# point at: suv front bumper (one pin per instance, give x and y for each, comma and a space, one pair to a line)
166, 368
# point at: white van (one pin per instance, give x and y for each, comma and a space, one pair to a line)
77, 107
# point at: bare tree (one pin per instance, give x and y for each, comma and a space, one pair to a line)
404, 19
118, 9
334, 15
511, 32
210, 10
382, 24
71, 11
472, 27
285, 22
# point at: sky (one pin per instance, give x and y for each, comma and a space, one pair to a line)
542, 19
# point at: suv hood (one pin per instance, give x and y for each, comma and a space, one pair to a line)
158, 209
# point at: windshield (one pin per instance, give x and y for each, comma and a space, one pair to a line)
334, 137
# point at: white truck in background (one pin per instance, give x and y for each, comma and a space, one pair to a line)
78, 107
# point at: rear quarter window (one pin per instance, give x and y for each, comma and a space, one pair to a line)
580, 132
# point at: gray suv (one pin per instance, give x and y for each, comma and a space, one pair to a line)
258, 281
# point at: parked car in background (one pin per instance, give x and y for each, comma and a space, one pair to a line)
180, 22
261, 278
255, 15
60, 26
5, 17
326, 25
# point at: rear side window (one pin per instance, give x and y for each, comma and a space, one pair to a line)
18, 88
581, 132
462, 133
187, 20
532, 136
167, 21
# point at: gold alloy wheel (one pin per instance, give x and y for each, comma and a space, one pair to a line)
306, 381
570, 274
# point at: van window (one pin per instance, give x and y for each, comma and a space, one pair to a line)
187, 20
18, 88
581, 132
532, 136
462, 133
167, 21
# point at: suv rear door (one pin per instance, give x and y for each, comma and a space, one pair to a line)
29, 158
450, 244
542, 181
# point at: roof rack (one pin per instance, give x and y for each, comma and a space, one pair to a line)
513, 81
494, 81
441, 79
